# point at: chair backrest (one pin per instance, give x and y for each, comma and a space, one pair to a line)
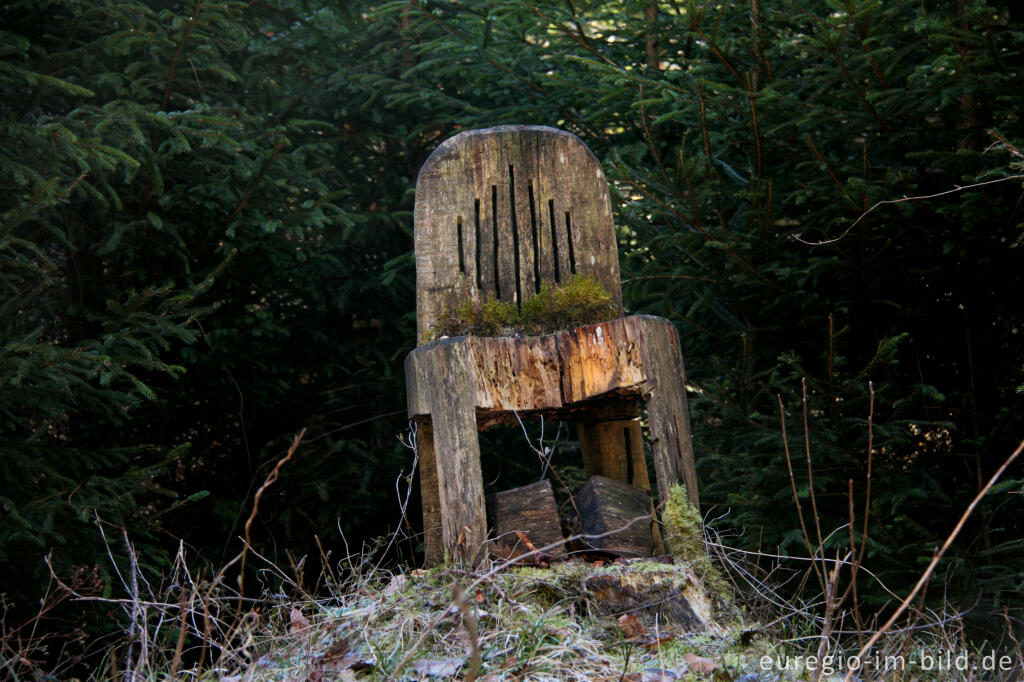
502, 211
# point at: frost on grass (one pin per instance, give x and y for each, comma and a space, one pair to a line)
557, 623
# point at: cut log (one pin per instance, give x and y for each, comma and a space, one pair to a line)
616, 449
530, 510
616, 515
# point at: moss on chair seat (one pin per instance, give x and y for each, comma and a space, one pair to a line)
581, 300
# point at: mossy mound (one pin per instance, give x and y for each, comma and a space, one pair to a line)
683, 530
526, 623
581, 300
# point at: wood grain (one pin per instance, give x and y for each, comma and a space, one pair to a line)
530, 510
457, 450
617, 512
433, 540
500, 213
482, 180
667, 411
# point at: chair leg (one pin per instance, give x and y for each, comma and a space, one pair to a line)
667, 411
457, 452
430, 498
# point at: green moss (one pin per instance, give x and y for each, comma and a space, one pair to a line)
581, 300
683, 530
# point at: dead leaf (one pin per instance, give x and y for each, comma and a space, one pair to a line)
299, 623
337, 651
631, 626
461, 636
441, 667
525, 540
340, 658
701, 666
655, 643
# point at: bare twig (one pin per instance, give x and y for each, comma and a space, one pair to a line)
269, 481
935, 559
796, 497
810, 470
956, 188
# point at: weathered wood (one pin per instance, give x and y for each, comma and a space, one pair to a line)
598, 358
615, 448
457, 450
674, 596
549, 371
667, 408
475, 192
500, 213
430, 497
617, 512
530, 510
612, 444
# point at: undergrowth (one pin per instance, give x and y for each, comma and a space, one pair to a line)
709, 611
502, 621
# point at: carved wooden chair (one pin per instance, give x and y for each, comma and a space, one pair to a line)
499, 212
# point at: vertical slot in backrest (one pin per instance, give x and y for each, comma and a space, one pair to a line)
535, 238
476, 243
462, 258
554, 241
516, 269
569, 240
496, 242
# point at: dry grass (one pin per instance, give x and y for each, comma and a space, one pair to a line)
511, 621
506, 622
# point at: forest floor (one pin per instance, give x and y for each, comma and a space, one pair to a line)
637, 620
534, 617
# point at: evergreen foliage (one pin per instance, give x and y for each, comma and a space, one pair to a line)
205, 238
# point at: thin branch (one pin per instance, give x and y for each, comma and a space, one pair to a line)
271, 478
956, 188
941, 552
796, 497
177, 54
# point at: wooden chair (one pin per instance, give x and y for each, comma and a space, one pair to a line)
499, 212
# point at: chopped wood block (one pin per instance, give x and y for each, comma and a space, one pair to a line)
619, 512
529, 510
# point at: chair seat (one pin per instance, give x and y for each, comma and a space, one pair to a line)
555, 375
457, 385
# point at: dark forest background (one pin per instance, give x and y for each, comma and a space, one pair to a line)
206, 234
